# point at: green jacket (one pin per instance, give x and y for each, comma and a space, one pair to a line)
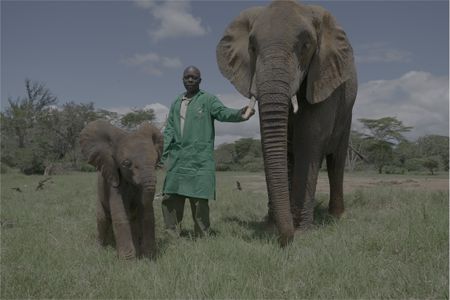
189, 159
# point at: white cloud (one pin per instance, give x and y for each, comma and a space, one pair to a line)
153, 63
161, 112
418, 99
173, 19
381, 53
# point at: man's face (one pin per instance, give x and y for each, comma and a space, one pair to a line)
191, 80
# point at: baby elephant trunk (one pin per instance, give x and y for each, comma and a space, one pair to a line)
148, 180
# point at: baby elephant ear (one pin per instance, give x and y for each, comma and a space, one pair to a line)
155, 134
98, 142
232, 53
332, 63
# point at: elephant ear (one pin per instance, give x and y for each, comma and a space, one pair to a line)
331, 64
232, 51
154, 133
98, 141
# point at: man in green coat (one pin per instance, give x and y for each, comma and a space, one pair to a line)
188, 153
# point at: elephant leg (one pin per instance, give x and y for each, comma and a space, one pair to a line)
104, 226
136, 226
303, 192
121, 225
335, 166
148, 242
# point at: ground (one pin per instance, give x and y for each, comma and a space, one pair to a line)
256, 182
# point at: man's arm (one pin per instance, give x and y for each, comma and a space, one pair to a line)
224, 114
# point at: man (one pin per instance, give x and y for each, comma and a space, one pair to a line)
188, 153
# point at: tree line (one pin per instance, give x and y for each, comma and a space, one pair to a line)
381, 146
37, 132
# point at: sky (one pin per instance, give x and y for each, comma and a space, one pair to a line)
125, 55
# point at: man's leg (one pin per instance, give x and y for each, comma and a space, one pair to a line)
172, 209
200, 215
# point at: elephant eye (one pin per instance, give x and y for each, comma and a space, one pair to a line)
126, 163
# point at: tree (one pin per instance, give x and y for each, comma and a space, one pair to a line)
64, 126
356, 148
225, 157
132, 119
435, 145
431, 164
404, 151
383, 134
22, 114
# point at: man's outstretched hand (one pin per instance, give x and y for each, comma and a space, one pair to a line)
243, 110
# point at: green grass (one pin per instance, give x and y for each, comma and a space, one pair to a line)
391, 243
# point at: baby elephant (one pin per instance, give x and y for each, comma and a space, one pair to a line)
126, 185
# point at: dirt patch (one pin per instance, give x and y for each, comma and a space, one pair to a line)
355, 181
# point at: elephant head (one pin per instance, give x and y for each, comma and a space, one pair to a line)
273, 53
123, 157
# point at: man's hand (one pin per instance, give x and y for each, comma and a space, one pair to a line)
243, 110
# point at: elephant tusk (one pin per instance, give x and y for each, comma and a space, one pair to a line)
250, 107
294, 103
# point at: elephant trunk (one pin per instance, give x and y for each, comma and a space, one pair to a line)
148, 179
273, 114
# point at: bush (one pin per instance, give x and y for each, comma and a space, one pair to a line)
393, 170
84, 167
414, 164
253, 167
30, 161
3, 168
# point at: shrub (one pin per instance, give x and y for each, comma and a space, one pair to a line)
84, 167
393, 170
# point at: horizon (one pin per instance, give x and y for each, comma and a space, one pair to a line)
130, 54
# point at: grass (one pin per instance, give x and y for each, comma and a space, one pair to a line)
391, 243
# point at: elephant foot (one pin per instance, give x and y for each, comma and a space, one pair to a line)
303, 226
285, 240
336, 211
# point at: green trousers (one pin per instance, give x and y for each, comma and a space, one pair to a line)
173, 208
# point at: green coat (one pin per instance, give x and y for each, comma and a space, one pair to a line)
189, 159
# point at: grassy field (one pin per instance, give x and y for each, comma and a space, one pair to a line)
391, 243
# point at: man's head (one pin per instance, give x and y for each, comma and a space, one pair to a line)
191, 80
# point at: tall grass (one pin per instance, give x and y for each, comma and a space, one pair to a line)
391, 243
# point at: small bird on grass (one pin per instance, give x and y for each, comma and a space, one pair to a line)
238, 185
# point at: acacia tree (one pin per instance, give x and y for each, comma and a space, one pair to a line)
431, 164
22, 114
382, 136
435, 146
132, 119
63, 127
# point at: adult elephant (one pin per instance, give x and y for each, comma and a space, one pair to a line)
126, 185
293, 53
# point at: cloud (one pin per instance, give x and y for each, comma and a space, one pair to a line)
161, 112
418, 99
381, 53
173, 19
153, 63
